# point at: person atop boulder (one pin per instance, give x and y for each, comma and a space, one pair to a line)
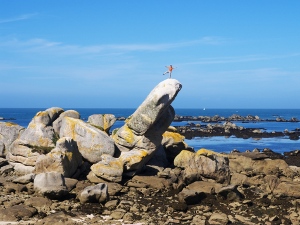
169, 71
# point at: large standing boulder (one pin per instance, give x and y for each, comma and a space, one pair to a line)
9, 132
203, 164
143, 130
103, 121
64, 158
91, 141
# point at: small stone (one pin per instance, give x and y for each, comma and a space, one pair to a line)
111, 204
117, 215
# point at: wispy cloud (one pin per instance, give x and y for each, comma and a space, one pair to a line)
247, 58
18, 18
46, 46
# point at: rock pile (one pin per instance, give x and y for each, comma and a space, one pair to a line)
62, 170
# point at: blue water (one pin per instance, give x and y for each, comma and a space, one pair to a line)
23, 116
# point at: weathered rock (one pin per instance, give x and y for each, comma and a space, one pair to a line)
154, 106
17, 212
25, 179
218, 218
159, 158
190, 197
64, 158
58, 121
103, 121
58, 218
91, 141
51, 185
286, 188
21, 169
196, 165
207, 187
6, 169
9, 132
94, 194
108, 168
3, 162
144, 128
70, 183
149, 181
40, 203
230, 193
173, 143
38, 138
134, 160
40, 131
252, 167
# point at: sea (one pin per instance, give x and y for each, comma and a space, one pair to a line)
23, 116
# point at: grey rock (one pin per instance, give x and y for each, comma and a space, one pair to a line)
208, 165
91, 142
6, 169
190, 197
25, 179
58, 121
108, 168
65, 158
9, 132
50, 184
94, 194
103, 121
17, 212
218, 218
42, 204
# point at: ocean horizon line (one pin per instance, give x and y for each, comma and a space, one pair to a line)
200, 108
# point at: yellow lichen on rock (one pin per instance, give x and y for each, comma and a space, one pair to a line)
133, 157
207, 152
183, 158
172, 129
175, 136
10, 124
72, 123
128, 135
41, 113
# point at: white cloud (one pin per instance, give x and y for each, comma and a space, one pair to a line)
45, 46
18, 18
247, 58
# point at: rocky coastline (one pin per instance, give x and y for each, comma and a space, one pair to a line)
229, 128
62, 170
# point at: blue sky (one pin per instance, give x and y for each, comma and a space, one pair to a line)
102, 54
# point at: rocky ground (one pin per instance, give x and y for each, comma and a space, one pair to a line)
153, 198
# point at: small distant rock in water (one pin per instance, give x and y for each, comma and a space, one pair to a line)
256, 150
235, 151
267, 150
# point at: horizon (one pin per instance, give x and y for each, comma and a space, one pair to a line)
203, 109
111, 54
